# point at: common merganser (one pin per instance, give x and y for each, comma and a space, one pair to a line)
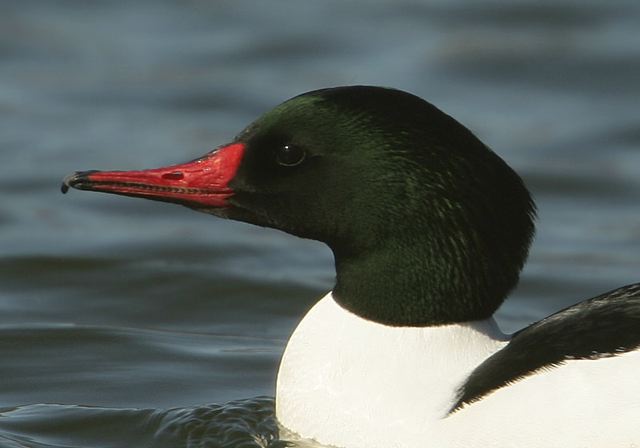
429, 229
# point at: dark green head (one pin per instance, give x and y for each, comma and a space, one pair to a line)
427, 224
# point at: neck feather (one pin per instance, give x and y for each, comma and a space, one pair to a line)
423, 282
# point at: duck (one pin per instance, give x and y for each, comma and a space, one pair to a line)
429, 230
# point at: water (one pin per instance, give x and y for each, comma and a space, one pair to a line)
126, 323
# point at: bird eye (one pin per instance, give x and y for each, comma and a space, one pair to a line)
290, 155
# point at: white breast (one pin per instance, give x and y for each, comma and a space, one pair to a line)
353, 383
350, 382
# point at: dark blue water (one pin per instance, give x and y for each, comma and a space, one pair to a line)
126, 323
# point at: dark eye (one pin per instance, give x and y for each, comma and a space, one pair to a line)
290, 155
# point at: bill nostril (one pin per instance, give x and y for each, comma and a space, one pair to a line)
176, 175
